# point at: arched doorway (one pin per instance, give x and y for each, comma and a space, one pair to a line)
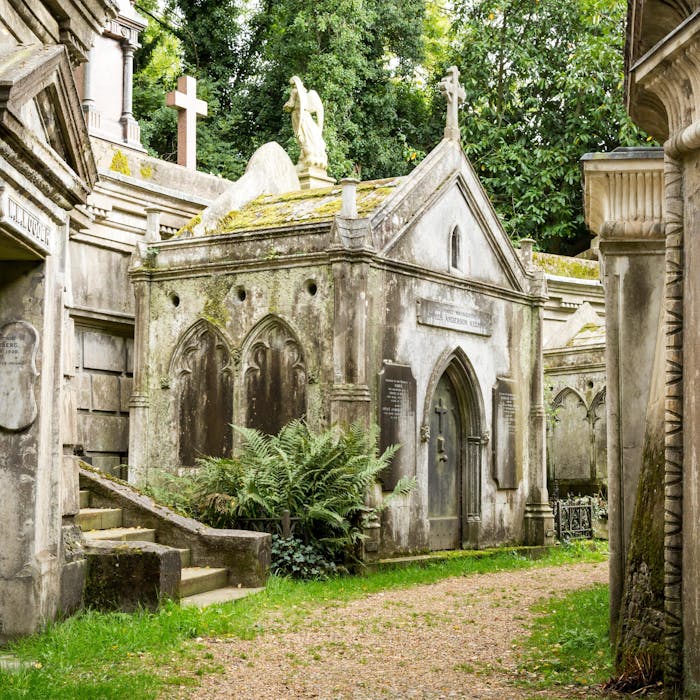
454, 459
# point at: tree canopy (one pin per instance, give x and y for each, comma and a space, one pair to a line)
543, 80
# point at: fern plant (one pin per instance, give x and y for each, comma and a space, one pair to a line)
322, 479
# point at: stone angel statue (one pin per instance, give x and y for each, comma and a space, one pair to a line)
304, 106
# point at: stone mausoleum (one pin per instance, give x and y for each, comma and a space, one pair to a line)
400, 302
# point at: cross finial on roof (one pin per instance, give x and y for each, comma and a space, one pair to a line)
454, 93
184, 99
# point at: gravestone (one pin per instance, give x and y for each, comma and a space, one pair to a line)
18, 346
505, 469
397, 420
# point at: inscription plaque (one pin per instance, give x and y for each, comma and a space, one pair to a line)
18, 346
397, 420
470, 318
505, 429
22, 220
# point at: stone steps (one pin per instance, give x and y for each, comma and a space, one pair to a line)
218, 595
200, 586
199, 579
99, 518
123, 534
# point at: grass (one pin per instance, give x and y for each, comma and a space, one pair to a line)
569, 644
115, 655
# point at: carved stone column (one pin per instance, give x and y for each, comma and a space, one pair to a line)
664, 97
139, 402
539, 519
624, 206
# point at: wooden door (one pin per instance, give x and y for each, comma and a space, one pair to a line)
445, 468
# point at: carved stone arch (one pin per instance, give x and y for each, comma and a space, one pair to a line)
570, 437
274, 375
202, 383
561, 397
453, 423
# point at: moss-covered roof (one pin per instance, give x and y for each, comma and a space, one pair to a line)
590, 334
301, 207
564, 266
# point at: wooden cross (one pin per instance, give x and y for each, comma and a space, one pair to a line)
454, 93
184, 99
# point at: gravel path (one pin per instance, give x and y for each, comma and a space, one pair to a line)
452, 639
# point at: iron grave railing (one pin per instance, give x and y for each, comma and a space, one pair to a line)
573, 518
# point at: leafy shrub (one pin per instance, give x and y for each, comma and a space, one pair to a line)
322, 480
292, 557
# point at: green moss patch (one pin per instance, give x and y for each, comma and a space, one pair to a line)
564, 266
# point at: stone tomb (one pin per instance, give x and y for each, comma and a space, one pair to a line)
399, 302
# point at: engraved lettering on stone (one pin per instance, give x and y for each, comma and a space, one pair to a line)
18, 347
397, 419
468, 319
28, 223
505, 432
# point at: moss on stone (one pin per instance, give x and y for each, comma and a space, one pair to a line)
303, 206
564, 266
146, 171
215, 310
187, 230
640, 641
120, 163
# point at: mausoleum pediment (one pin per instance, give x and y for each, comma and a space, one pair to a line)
441, 218
41, 122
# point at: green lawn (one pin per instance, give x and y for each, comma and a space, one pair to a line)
100, 655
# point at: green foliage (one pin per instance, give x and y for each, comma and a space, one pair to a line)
544, 86
292, 557
569, 644
323, 480
543, 83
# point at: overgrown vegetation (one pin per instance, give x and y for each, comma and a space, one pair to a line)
114, 655
543, 84
570, 642
321, 480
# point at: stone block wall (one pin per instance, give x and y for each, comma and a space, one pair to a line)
104, 369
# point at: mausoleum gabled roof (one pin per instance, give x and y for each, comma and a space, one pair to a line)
42, 122
313, 206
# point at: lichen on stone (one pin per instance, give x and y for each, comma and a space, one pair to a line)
565, 266
187, 230
303, 206
120, 163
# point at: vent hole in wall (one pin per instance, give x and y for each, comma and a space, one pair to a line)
241, 293
311, 287
175, 300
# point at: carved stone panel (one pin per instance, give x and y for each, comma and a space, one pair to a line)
397, 420
571, 438
18, 347
275, 379
204, 389
505, 428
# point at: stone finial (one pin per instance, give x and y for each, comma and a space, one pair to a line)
349, 206
184, 99
453, 92
152, 224
526, 248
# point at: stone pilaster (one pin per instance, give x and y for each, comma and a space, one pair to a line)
139, 403
539, 519
624, 205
